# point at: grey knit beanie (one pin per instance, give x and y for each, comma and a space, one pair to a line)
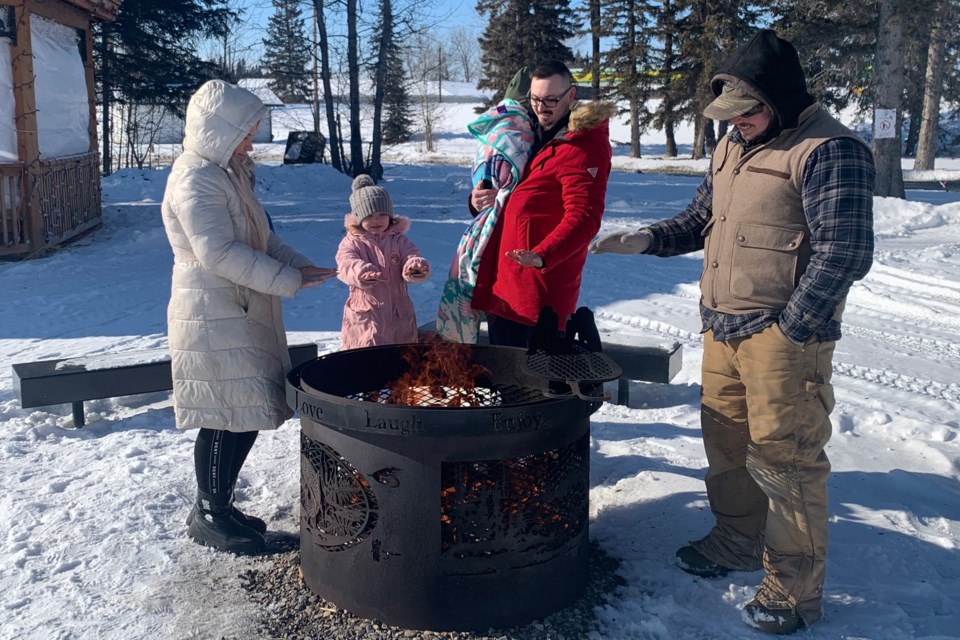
367, 198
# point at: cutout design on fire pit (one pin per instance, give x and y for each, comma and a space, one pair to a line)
535, 504
337, 503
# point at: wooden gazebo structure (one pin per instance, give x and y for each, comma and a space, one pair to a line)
48, 196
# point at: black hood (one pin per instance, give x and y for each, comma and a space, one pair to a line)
768, 68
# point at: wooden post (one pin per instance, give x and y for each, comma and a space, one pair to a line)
25, 120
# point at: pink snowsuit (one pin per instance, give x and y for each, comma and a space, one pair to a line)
380, 311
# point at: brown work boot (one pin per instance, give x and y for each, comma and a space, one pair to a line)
772, 615
692, 561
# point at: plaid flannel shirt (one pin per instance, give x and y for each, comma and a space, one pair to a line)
837, 199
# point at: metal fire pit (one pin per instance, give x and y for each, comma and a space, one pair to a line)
439, 517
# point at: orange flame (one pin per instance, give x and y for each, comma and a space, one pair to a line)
443, 375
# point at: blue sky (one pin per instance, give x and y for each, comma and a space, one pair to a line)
447, 13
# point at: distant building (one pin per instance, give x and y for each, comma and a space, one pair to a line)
153, 124
261, 87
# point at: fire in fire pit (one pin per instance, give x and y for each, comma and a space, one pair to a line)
441, 497
442, 376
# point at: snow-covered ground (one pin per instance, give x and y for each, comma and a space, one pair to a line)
92, 539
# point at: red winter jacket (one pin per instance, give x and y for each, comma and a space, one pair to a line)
555, 211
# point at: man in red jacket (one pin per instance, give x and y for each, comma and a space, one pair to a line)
539, 246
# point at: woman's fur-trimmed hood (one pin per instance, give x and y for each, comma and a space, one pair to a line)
590, 115
402, 225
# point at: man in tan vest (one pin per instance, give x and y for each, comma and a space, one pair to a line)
785, 221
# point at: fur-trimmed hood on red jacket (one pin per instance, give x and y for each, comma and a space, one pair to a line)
589, 115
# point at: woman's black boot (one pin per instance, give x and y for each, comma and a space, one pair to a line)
253, 522
215, 525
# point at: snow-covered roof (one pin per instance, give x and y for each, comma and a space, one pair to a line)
261, 87
100, 9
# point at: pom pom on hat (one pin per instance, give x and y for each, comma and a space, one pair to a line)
361, 181
367, 198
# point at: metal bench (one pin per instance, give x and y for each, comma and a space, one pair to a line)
645, 363
74, 380
649, 364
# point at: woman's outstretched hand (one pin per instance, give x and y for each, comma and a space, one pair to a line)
312, 276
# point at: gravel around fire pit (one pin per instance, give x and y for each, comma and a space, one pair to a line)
290, 611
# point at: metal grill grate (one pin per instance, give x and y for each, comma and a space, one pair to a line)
452, 397
581, 365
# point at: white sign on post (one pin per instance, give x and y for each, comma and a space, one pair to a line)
884, 123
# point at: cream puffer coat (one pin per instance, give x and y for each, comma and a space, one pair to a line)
228, 345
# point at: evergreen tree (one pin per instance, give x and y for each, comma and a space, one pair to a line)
706, 32
148, 56
149, 52
398, 121
835, 41
287, 52
520, 33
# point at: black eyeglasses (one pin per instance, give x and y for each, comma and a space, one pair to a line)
550, 101
752, 111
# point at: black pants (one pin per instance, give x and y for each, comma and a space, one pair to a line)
218, 456
508, 333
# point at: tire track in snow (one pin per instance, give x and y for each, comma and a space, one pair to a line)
888, 379
915, 283
655, 326
900, 382
909, 298
892, 297
929, 348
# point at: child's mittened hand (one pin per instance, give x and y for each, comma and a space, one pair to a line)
417, 270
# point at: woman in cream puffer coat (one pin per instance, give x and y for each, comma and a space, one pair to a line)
225, 326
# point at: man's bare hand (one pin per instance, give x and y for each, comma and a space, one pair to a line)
525, 258
483, 198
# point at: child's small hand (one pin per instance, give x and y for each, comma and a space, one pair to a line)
417, 276
417, 270
369, 276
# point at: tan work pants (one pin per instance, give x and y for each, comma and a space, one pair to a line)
765, 405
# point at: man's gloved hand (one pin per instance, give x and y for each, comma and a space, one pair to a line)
623, 242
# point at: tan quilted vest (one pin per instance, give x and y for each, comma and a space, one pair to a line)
758, 241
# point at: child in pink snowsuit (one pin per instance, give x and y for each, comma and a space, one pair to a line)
377, 260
